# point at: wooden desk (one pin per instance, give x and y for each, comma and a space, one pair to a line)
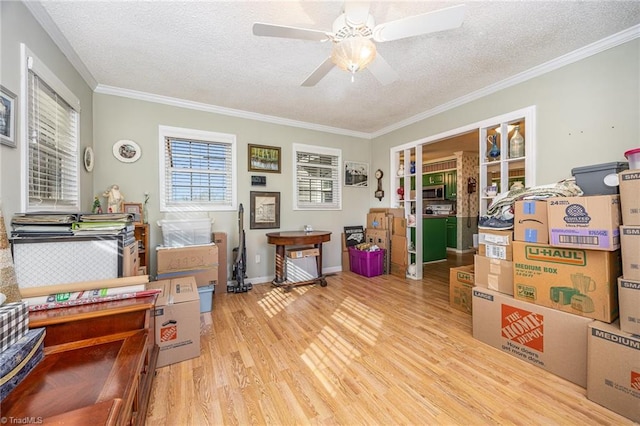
297, 238
98, 367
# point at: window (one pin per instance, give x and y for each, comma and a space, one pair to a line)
52, 140
197, 170
317, 180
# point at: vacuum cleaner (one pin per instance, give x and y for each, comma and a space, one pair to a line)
240, 260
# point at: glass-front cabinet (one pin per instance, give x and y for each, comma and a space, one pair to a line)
506, 155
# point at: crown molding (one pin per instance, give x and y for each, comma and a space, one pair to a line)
45, 21
182, 103
571, 57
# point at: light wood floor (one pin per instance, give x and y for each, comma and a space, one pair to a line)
377, 351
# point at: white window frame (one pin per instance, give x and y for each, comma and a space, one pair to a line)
29, 61
297, 204
201, 135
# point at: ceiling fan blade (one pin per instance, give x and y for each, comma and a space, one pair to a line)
431, 22
356, 12
270, 30
382, 71
319, 73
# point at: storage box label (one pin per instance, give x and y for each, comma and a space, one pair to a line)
575, 257
169, 331
465, 277
523, 327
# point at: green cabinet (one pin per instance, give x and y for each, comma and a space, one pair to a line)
434, 239
433, 179
452, 232
451, 185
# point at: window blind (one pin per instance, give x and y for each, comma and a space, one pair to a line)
317, 181
52, 138
198, 172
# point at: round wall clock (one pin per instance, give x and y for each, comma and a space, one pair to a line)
88, 159
126, 151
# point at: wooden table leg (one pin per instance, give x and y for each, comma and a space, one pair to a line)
279, 264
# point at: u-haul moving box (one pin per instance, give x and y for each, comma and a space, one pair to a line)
613, 378
460, 285
585, 222
177, 317
551, 339
581, 282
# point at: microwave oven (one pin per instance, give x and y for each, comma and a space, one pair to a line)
435, 192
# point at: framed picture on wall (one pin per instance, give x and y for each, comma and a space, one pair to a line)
135, 209
8, 110
356, 174
264, 159
265, 210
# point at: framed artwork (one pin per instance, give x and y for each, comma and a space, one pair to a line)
126, 151
356, 174
265, 210
88, 159
134, 208
8, 111
264, 159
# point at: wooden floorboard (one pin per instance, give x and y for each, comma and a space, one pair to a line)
361, 351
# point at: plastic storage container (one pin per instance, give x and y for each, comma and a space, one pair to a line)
185, 232
206, 298
591, 179
366, 263
633, 155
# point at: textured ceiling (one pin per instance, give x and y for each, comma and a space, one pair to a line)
204, 51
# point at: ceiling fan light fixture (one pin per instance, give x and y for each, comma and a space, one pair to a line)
353, 54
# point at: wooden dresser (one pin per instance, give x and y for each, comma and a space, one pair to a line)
98, 367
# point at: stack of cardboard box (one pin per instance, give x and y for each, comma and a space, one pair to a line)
616, 385
387, 228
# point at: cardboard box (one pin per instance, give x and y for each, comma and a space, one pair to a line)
494, 274
629, 200
346, 265
379, 220
199, 261
613, 378
585, 222
398, 270
300, 253
530, 221
220, 239
399, 226
551, 339
460, 288
177, 320
496, 244
395, 212
399, 250
630, 243
629, 301
581, 282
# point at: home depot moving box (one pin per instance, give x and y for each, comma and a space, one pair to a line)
199, 261
629, 200
496, 243
629, 301
581, 282
530, 222
177, 320
550, 339
460, 286
585, 222
494, 274
613, 378
630, 242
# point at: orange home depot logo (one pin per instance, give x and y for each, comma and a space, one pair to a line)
169, 331
523, 327
635, 380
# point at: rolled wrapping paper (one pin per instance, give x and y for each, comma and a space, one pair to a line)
8, 281
83, 285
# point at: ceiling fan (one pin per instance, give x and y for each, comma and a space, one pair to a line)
354, 33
